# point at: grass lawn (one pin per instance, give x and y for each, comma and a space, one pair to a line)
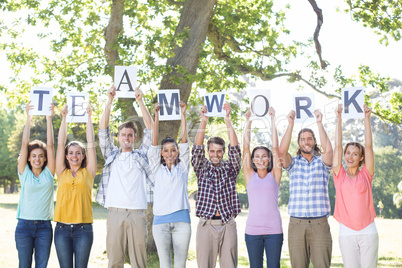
390, 232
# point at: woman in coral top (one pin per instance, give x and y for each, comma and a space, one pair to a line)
75, 171
263, 173
354, 208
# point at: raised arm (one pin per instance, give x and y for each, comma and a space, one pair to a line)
104, 122
145, 113
247, 168
325, 142
61, 142
338, 141
51, 161
156, 125
199, 138
284, 155
368, 141
23, 158
277, 168
231, 132
91, 152
184, 135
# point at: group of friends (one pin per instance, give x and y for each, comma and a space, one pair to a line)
158, 174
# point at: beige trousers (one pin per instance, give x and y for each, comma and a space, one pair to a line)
359, 251
213, 238
126, 230
309, 240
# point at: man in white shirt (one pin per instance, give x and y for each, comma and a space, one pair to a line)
125, 186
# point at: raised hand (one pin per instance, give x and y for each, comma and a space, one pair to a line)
318, 116
338, 111
367, 111
64, 112
89, 110
138, 94
248, 114
227, 108
183, 107
157, 108
271, 112
111, 92
291, 117
29, 108
203, 112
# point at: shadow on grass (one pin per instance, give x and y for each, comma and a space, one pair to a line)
10, 206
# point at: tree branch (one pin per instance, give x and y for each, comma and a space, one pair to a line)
320, 20
175, 3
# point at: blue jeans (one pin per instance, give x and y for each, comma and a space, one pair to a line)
33, 236
176, 233
73, 239
273, 247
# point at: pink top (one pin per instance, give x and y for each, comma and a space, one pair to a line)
354, 206
263, 215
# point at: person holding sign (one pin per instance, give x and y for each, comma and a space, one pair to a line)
309, 207
126, 182
217, 201
75, 169
36, 165
354, 208
263, 172
170, 165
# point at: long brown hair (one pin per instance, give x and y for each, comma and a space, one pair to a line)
82, 146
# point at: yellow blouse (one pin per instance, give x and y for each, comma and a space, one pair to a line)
74, 198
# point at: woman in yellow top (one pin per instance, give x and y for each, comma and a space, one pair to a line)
75, 171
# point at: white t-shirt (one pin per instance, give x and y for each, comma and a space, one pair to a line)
170, 191
126, 187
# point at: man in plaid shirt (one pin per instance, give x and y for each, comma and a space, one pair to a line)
125, 186
217, 200
309, 207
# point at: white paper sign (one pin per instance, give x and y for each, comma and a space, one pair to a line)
353, 101
77, 104
169, 100
260, 101
41, 99
214, 103
304, 106
125, 81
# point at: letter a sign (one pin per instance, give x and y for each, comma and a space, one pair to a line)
169, 103
214, 103
353, 100
125, 81
41, 99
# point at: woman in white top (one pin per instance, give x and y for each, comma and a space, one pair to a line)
170, 166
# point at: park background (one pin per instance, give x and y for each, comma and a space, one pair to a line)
207, 46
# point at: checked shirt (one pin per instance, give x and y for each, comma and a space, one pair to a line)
308, 186
217, 185
139, 156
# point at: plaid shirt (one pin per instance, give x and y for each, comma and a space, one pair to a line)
110, 152
217, 185
308, 186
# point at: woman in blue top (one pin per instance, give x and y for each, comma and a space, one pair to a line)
170, 165
36, 166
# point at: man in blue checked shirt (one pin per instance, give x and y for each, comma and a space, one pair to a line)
309, 236
217, 201
125, 186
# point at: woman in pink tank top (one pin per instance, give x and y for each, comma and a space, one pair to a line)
354, 208
263, 172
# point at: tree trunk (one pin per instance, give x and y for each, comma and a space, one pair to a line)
195, 18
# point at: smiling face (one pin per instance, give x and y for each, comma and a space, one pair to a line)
169, 153
126, 139
307, 142
353, 156
37, 158
261, 159
75, 156
216, 152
